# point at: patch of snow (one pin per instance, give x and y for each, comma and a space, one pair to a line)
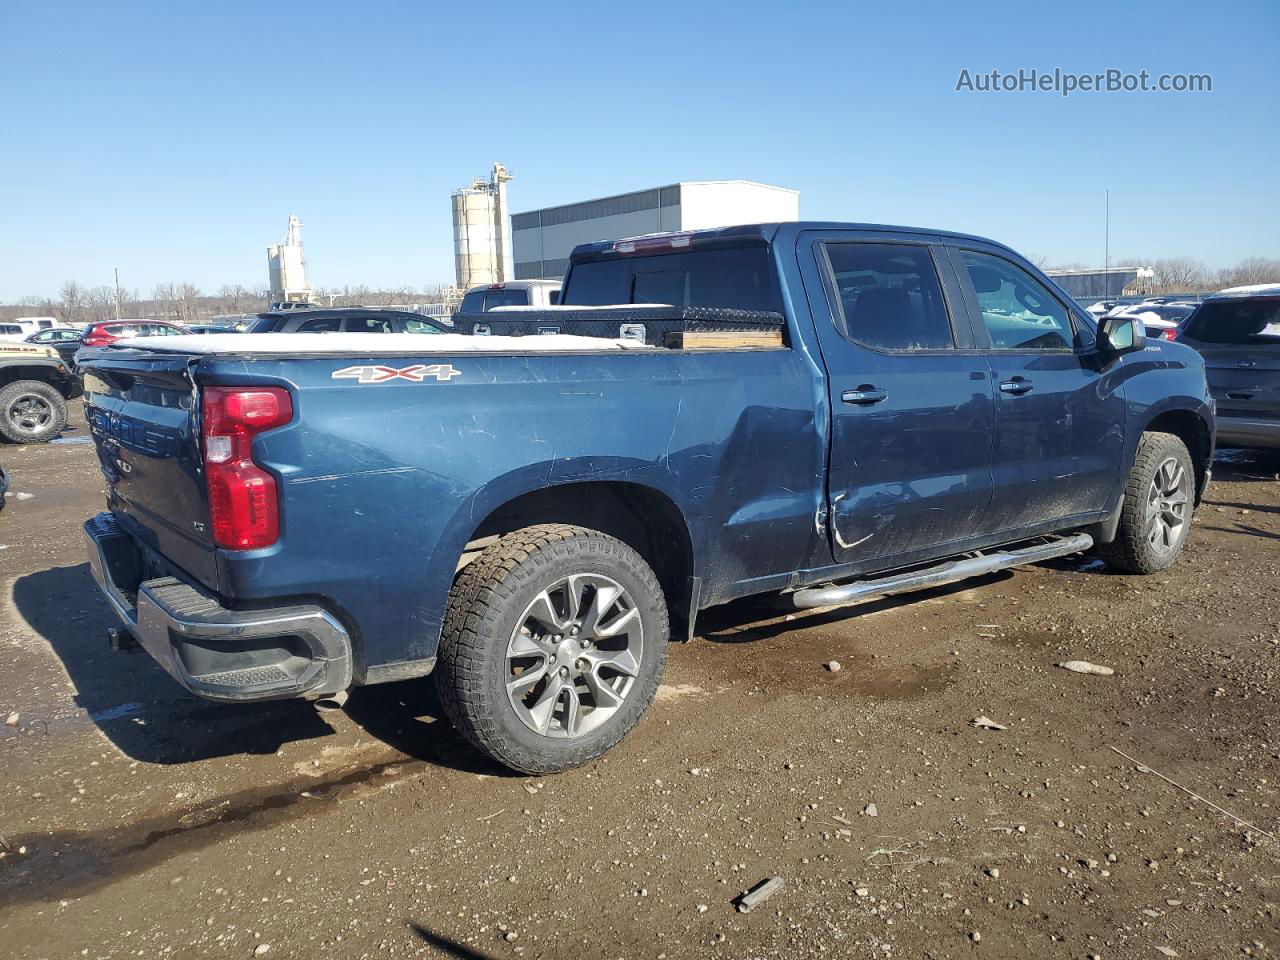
373, 344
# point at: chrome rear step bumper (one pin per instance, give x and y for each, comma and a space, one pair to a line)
215, 652
947, 572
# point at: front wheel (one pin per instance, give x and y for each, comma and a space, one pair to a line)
554, 642
1155, 517
31, 411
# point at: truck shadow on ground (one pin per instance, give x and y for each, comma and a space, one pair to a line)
150, 718
130, 699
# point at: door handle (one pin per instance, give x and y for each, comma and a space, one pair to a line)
865, 395
1017, 386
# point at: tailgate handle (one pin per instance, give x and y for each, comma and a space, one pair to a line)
1239, 396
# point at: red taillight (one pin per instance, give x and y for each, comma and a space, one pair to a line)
1171, 333
244, 506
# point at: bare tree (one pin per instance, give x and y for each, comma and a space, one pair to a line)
1250, 271
1179, 275
72, 295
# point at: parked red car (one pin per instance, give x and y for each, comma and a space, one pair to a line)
101, 334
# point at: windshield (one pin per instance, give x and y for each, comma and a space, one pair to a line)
1236, 322
740, 278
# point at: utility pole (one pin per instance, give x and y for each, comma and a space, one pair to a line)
117, 272
1106, 256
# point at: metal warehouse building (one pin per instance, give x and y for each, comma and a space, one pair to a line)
543, 239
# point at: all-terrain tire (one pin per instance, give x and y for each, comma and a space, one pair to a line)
1133, 550
486, 607
31, 411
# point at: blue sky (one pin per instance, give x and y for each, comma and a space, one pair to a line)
173, 139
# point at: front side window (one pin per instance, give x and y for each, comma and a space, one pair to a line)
890, 297
1017, 310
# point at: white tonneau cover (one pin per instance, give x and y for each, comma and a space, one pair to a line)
364, 344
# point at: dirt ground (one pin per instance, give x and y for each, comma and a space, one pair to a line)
137, 821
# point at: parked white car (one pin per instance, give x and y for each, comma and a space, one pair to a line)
18, 329
513, 293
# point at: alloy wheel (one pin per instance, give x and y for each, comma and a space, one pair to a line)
1168, 505
574, 656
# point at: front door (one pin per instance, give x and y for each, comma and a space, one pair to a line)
1060, 415
911, 411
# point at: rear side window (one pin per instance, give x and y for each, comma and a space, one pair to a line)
1017, 309
890, 298
741, 278
473, 302
420, 326
320, 325
367, 325
10, 328
262, 324
1242, 322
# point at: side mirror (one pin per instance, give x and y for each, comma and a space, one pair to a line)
1119, 335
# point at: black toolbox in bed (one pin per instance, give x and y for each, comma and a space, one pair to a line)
658, 326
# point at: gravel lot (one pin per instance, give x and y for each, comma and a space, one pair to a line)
136, 821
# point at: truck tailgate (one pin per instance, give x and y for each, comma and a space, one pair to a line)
140, 410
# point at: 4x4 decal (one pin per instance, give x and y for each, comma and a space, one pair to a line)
416, 373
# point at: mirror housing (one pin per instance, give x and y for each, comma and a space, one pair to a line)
1120, 335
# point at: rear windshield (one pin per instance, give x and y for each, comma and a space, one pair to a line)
1236, 322
740, 278
480, 301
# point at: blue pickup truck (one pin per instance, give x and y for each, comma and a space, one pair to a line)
531, 519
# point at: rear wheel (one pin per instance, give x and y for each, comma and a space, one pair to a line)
31, 411
553, 645
1155, 517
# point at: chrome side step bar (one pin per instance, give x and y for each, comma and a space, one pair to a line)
952, 570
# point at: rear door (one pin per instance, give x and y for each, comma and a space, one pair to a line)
911, 407
1060, 415
1240, 342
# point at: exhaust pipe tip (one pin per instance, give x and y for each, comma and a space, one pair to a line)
332, 701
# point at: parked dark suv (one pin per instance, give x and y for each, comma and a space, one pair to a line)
343, 320
1238, 333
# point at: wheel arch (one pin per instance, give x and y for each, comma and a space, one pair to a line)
43, 371
641, 516
1189, 427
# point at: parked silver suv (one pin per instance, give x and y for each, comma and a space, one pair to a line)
1238, 333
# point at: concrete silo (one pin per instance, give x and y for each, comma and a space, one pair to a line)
287, 266
482, 231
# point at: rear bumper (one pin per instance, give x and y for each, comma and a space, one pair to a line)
1241, 432
273, 653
